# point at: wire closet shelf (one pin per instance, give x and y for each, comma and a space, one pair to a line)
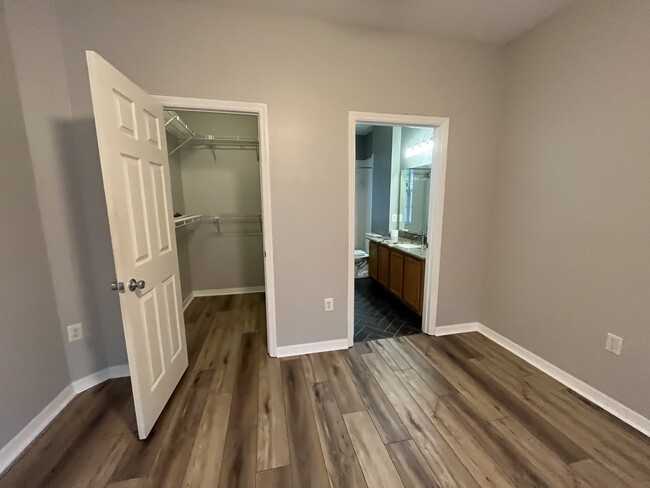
177, 127
223, 223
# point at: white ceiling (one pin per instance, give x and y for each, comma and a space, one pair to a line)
495, 21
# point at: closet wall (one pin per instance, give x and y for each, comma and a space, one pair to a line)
178, 205
218, 182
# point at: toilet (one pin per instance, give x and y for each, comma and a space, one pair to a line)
360, 263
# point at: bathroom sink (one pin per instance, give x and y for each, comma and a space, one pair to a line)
409, 246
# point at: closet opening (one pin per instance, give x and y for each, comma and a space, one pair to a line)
221, 203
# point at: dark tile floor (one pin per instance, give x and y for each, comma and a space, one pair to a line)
379, 315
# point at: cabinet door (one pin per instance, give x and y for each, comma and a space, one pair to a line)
383, 263
396, 275
412, 287
372, 260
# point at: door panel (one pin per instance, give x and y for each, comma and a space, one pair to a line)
383, 265
396, 273
135, 171
413, 276
372, 260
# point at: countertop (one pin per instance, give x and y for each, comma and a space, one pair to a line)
419, 253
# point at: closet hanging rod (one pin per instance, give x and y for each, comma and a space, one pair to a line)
184, 220
176, 126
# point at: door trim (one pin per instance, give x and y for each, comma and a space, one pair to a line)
259, 109
436, 208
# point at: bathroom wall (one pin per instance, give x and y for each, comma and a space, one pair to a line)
396, 163
217, 182
363, 202
382, 143
363, 146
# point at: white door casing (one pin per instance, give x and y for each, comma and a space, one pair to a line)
436, 207
135, 169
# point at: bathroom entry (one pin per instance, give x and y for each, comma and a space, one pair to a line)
397, 216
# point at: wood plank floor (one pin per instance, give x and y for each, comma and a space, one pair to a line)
415, 411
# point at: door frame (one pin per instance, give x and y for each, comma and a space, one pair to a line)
259, 109
436, 209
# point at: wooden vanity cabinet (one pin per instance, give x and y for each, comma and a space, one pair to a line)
372, 259
413, 283
383, 265
396, 273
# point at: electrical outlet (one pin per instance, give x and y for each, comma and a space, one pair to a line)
75, 332
329, 304
394, 218
614, 344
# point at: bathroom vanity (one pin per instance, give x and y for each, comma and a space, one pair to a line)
399, 267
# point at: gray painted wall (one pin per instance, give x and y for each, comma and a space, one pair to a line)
567, 259
33, 366
570, 249
382, 176
287, 66
68, 180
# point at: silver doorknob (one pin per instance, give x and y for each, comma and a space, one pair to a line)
134, 285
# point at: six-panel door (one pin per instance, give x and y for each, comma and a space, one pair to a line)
135, 169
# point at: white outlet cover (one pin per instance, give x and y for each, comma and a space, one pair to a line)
329, 304
614, 344
75, 332
394, 219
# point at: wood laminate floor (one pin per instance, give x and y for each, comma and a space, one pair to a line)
416, 411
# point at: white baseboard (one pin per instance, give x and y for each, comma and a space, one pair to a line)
312, 347
119, 371
188, 300
607, 403
24, 438
10, 452
456, 328
219, 292
228, 291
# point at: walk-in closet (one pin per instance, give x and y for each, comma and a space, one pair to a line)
215, 180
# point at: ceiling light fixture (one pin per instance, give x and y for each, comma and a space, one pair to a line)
423, 147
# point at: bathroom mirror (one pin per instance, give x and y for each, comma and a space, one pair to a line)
414, 199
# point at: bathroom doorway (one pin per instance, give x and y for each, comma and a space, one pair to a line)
396, 195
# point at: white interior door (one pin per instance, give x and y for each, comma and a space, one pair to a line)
135, 169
